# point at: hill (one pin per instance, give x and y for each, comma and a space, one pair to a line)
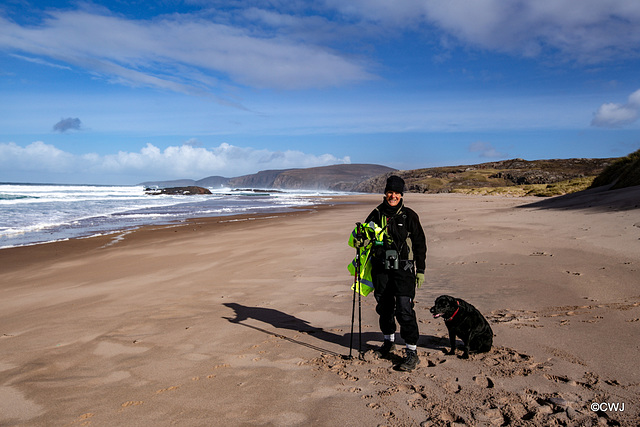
342, 177
515, 177
336, 177
624, 172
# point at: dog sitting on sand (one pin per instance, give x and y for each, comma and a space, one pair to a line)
466, 322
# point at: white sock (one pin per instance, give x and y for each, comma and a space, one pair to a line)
412, 347
391, 337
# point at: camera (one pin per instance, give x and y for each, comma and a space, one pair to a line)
391, 261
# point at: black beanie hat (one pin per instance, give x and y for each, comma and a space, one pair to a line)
395, 184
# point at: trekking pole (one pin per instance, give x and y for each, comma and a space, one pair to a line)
353, 312
356, 281
359, 313
358, 267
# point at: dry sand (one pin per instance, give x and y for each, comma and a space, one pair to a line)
246, 321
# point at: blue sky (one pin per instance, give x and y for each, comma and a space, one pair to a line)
113, 92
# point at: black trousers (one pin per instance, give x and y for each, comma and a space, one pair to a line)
394, 293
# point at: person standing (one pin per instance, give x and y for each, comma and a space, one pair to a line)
398, 254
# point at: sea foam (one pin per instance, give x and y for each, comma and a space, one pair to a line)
37, 213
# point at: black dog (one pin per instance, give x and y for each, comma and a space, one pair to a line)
466, 322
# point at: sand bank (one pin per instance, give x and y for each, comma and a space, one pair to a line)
245, 321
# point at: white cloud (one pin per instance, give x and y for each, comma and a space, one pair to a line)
34, 157
486, 150
150, 162
634, 99
612, 115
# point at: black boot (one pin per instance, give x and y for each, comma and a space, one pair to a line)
385, 349
410, 362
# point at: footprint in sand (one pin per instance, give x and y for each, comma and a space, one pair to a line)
515, 318
566, 356
82, 419
129, 404
132, 403
452, 386
537, 253
483, 381
162, 390
224, 365
588, 381
560, 379
506, 362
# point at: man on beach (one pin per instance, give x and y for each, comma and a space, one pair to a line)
399, 254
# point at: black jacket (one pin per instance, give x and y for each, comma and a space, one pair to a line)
403, 225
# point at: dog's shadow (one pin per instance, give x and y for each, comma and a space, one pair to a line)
432, 342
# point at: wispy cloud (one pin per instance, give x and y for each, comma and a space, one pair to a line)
181, 52
587, 31
613, 115
300, 47
41, 62
185, 161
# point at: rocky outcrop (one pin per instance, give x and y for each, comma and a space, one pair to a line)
492, 174
521, 172
178, 191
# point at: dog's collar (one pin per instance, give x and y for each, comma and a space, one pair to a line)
454, 314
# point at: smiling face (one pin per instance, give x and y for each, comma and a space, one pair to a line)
393, 198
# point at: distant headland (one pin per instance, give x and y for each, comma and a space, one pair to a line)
516, 177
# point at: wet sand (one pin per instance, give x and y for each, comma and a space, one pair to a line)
246, 320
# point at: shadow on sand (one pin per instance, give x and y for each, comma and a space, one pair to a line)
599, 199
280, 320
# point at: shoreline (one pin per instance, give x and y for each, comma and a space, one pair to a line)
41, 216
246, 321
75, 243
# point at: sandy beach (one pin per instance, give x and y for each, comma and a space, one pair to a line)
246, 320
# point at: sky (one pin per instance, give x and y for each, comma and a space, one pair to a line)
121, 92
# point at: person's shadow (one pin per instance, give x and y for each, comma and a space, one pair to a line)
280, 320
276, 318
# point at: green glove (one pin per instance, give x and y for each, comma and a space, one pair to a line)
419, 279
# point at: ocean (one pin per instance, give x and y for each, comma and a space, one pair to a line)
40, 213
